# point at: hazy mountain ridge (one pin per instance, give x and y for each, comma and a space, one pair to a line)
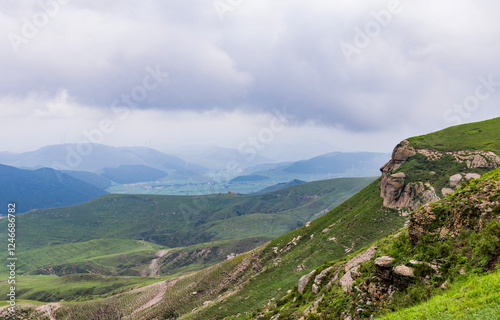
43, 188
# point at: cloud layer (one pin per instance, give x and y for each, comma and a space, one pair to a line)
382, 68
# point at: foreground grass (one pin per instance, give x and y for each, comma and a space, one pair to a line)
477, 297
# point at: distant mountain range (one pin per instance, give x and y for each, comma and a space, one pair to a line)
43, 188
142, 170
330, 165
121, 165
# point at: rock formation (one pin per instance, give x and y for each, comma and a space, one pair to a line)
393, 189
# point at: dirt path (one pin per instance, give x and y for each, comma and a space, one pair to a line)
162, 289
154, 267
153, 270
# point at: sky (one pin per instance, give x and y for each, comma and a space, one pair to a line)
288, 79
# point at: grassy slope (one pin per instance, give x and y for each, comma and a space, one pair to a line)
477, 297
103, 256
78, 287
244, 283
475, 250
484, 135
176, 221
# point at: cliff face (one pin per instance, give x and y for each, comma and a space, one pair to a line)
393, 189
398, 193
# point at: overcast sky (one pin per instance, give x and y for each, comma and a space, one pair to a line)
288, 78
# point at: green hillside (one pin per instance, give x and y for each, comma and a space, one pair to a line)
484, 135
43, 188
177, 221
450, 243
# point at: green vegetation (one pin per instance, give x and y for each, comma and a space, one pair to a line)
177, 221
450, 243
43, 188
77, 287
475, 297
354, 224
102, 256
483, 135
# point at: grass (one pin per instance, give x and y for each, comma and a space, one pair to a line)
80, 287
248, 281
476, 297
102, 256
482, 135
179, 221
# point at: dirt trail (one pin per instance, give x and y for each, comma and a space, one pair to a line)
162, 289
153, 269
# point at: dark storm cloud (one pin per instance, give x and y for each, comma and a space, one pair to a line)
339, 63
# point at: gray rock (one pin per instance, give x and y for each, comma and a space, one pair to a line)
384, 262
315, 288
469, 176
455, 179
446, 191
404, 271
320, 276
304, 280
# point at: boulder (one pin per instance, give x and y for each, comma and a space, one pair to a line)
304, 280
469, 176
315, 288
383, 267
320, 276
384, 262
404, 271
455, 179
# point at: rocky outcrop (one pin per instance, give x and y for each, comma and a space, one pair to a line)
465, 210
304, 280
394, 190
392, 187
473, 158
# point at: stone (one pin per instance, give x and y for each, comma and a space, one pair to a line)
384, 262
315, 288
404, 271
319, 277
446, 191
455, 179
304, 280
469, 176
